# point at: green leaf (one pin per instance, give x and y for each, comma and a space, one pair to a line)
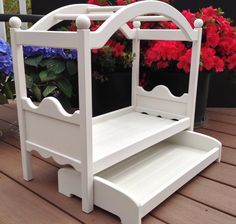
37, 92
34, 61
48, 90
65, 86
43, 75
55, 66
29, 82
3, 99
71, 67
7, 91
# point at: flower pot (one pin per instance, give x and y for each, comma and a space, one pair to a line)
222, 90
178, 85
112, 94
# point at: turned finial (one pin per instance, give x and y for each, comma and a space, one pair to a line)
15, 22
82, 22
136, 24
198, 23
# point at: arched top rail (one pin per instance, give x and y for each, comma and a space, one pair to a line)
130, 12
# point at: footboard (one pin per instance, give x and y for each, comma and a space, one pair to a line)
161, 102
51, 131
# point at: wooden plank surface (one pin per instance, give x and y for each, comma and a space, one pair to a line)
226, 139
222, 117
222, 110
18, 206
209, 198
217, 195
221, 127
181, 210
221, 172
229, 155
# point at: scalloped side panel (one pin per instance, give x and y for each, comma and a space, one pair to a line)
52, 108
161, 99
57, 157
162, 92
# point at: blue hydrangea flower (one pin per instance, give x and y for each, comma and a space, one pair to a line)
48, 52
6, 65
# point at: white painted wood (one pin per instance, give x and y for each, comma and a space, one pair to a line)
104, 16
126, 146
193, 79
118, 138
60, 158
161, 99
23, 10
52, 108
20, 86
123, 15
113, 114
47, 38
57, 135
149, 34
160, 170
136, 61
2, 24
85, 105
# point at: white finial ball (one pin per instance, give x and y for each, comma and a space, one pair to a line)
136, 24
82, 22
15, 22
198, 23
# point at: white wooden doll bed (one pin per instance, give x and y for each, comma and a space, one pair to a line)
126, 161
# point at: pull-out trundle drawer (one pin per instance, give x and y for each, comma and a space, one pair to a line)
133, 187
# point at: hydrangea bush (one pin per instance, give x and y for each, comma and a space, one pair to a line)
6, 71
50, 71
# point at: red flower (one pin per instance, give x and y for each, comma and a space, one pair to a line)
164, 50
189, 16
168, 25
212, 35
232, 62
185, 61
207, 58
118, 50
98, 2
121, 2
162, 64
219, 64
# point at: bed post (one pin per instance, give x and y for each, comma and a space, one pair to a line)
193, 79
20, 85
135, 65
85, 107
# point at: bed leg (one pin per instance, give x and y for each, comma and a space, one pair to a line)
26, 165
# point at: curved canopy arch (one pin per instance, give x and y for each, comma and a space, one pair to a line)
124, 15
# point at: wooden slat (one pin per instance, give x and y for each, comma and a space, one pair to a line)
221, 172
226, 139
19, 205
222, 117
221, 127
181, 210
45, 184
211, 193
229, 156
9, 133
148, 219
228, 111
10, 105
8, 115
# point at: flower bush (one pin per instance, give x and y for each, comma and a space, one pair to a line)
218, 51
50, 71
6, 71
